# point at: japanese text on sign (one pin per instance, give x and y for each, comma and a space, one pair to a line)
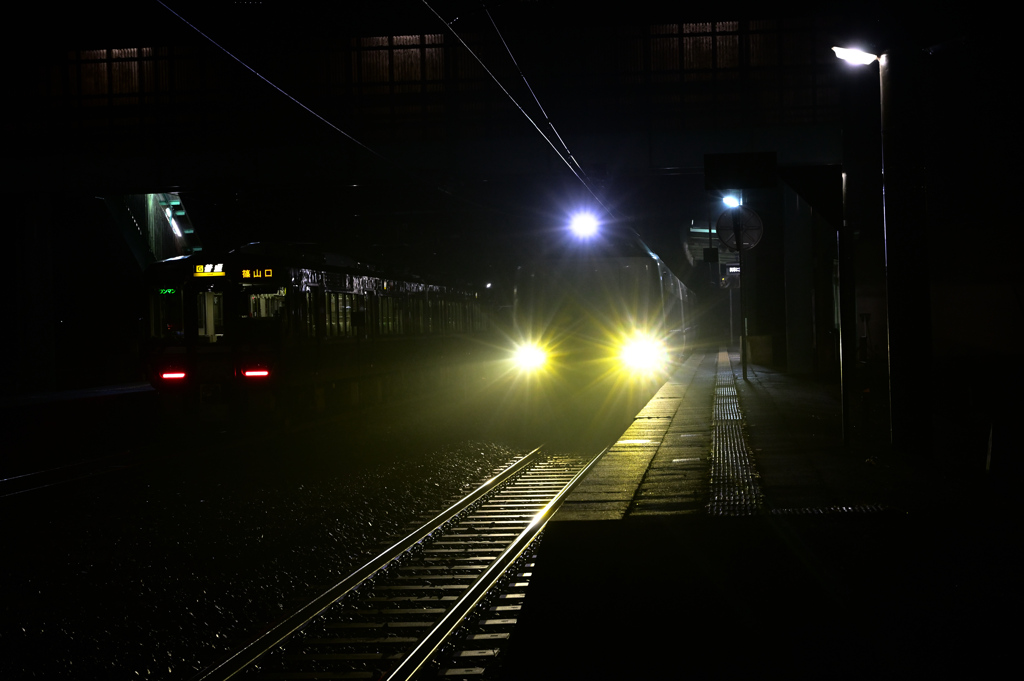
209, 270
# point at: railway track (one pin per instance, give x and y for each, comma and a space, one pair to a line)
397, 616
35, 481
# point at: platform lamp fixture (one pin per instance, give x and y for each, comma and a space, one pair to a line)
739, 229
847, 298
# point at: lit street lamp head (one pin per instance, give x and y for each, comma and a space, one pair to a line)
854, 56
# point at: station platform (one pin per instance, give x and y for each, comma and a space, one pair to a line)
732, 530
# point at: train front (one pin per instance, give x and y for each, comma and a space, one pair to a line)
597, 312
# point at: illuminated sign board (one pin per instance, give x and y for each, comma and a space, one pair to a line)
734, 269
209, 270
217, 270
167, 291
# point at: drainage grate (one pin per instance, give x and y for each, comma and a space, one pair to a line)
735, 488
832, 510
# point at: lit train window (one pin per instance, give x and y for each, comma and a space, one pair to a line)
391, 316
332, 314
308, 311
346, 303
420, 316
210, 306
386, 321
266, 305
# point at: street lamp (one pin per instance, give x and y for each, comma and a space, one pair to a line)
855, 56
847, 298
847, 269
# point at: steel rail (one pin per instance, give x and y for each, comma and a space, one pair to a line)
270, 639
34, 481
453, 618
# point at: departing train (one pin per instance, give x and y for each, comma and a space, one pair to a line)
269, 322
600, 304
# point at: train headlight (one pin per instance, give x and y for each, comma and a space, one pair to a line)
583, 225
529, 357
643, 354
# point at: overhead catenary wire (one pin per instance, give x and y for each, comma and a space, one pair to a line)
327, 122
497, 82
580, 175
540, 106
271, 83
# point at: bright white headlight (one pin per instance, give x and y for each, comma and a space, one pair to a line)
643, 353
529, 357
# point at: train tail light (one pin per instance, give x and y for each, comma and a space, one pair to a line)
256, 373
172, 375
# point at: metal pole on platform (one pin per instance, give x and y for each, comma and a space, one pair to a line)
847, 316
907, 294
743, 330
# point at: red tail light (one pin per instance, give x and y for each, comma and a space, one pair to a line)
255, 373
172, 375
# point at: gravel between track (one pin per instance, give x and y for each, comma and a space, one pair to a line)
156, 575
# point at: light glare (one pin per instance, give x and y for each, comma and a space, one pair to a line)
854, 56
644, 354
584, 225
731, 201
529, 357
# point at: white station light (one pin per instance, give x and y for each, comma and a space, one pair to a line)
855, 56
174, 225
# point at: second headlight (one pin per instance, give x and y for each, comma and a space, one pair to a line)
529, 357
643, 354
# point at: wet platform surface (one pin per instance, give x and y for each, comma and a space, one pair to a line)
731, 530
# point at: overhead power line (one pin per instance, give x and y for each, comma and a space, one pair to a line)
566, 157
271, 83
533, 94
415, 177
497, 82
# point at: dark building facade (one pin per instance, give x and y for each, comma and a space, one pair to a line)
405, 130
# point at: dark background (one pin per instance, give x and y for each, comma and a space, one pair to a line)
449, 178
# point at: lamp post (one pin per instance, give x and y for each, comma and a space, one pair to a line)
847, 267
904, 210
732, 202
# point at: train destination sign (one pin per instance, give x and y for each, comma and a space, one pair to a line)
217, 270
209, 270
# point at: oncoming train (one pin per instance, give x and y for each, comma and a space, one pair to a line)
600, 306
266, 326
